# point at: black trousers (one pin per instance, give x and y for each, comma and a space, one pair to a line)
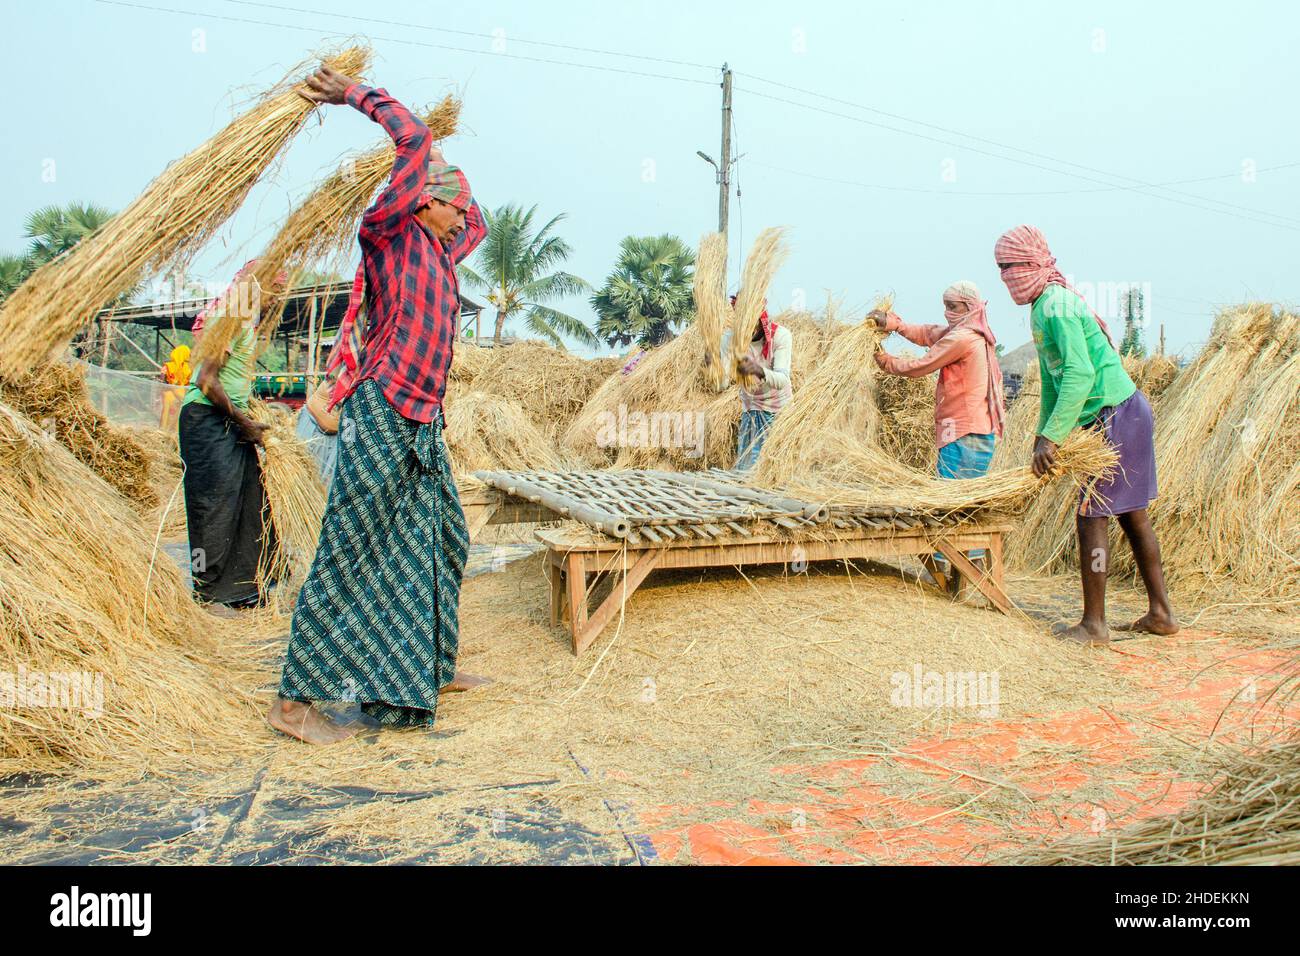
225, 507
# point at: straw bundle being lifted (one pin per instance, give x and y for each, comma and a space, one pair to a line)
322, 225
488, 432
296, 496
826, 447
1250, 818
712, 310
765, 257
169, 222
54, 396
102, 650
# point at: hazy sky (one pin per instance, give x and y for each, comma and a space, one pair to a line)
871, 163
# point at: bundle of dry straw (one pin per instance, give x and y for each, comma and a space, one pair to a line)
170, 221
712, 310
296, 497
109, 654
322, 225
1250, 818
765, 257
54, 396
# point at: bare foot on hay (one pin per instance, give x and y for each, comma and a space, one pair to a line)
1152, 622
1082, 633
304, 722
221, 611
463, 682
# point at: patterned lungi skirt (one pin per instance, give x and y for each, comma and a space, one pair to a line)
376, 621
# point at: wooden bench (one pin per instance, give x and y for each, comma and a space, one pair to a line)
575, 557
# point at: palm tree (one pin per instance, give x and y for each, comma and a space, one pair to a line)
53, 230
513, 266
13, 270
648, 293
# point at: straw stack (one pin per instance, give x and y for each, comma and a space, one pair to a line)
488, 432
54, 396
83, 593
549, 384
169, 222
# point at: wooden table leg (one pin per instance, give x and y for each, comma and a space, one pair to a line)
576, 580
984, 581
482, 514
555, 574
614, 600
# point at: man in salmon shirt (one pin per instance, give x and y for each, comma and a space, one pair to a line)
968, 404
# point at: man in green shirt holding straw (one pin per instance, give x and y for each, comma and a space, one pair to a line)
1084, 383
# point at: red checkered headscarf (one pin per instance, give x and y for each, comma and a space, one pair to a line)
1034, 269
218, 305
769, 329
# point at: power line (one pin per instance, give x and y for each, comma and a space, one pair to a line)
409, 42
1022, 162
999, 145
467, 33
999, 193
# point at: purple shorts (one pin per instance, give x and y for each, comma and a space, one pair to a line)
1130, 429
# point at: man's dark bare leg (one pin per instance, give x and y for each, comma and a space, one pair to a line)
1094, 562
306, 723
1159, 618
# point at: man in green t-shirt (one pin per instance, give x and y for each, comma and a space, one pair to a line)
1084, 383
225, 502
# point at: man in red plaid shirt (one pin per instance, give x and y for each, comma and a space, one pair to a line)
376, 622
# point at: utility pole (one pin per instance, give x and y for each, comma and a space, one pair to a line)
724, 168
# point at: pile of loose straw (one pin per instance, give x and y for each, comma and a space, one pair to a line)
549, 384
169, 222
486, 431
54, 396
1250, 818
82, 592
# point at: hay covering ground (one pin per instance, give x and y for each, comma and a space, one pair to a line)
1249, 817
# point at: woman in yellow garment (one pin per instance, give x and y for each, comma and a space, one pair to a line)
176, 373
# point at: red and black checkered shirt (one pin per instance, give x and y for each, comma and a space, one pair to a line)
412, 293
